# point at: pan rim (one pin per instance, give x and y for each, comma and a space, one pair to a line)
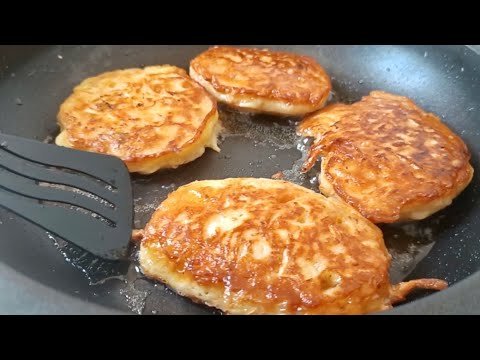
24, 293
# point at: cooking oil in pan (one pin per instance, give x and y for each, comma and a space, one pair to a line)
252, 145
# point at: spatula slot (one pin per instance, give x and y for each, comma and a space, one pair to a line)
47, 165
76, 191
55, 175
26, 187
70, 207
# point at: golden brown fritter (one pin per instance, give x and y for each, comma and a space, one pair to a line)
387, 158
262, 80
262, 246
151, 118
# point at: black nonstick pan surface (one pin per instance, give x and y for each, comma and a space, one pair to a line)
42, 274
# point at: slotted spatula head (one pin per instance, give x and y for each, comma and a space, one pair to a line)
82, 197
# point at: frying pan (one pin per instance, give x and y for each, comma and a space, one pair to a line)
43, 274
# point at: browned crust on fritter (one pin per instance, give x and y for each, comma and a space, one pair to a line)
122, 126
292, 252
385, 156
400, 291
137, 235
262, 73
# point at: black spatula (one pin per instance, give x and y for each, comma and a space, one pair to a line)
82, 197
